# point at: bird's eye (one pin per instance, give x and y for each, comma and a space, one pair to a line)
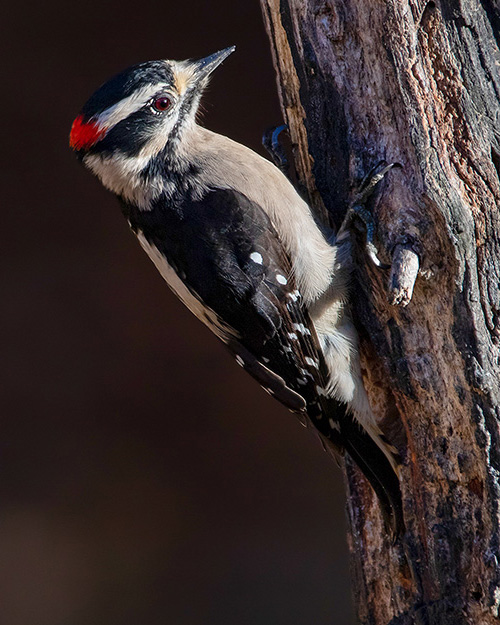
162, 104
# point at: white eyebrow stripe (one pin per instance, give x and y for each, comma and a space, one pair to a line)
129, 105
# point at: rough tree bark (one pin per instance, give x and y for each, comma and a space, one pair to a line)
417, 83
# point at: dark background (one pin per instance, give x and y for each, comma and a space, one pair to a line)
144, 478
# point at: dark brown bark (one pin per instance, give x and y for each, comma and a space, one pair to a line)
417, 83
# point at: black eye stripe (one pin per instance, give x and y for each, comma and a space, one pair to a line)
126, 83
131, 134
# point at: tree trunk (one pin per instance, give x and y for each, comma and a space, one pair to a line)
416, 83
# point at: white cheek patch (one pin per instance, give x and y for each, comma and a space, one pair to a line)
157, 141
121, 174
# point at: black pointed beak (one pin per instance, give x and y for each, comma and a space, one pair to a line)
204, 67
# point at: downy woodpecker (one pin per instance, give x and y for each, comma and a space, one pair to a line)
236, 243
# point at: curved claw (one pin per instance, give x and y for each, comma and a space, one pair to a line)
366, 217
270, 140
359, 210
371, 180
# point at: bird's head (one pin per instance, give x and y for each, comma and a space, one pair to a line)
137, 112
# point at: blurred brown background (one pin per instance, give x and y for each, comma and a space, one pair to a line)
144, 478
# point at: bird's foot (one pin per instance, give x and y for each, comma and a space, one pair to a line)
358, 212
271, 141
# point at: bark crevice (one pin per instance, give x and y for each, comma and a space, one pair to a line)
415, 83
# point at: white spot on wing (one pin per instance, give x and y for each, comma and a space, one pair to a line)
311, 362
239, 360
281, 279
300, 327
292, 335
256, 257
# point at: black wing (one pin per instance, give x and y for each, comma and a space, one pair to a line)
228, 254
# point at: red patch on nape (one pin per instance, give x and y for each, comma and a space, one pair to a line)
84, 134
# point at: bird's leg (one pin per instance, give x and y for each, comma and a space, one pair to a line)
358, 211
271, 141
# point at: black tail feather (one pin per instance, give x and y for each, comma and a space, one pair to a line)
377, 469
